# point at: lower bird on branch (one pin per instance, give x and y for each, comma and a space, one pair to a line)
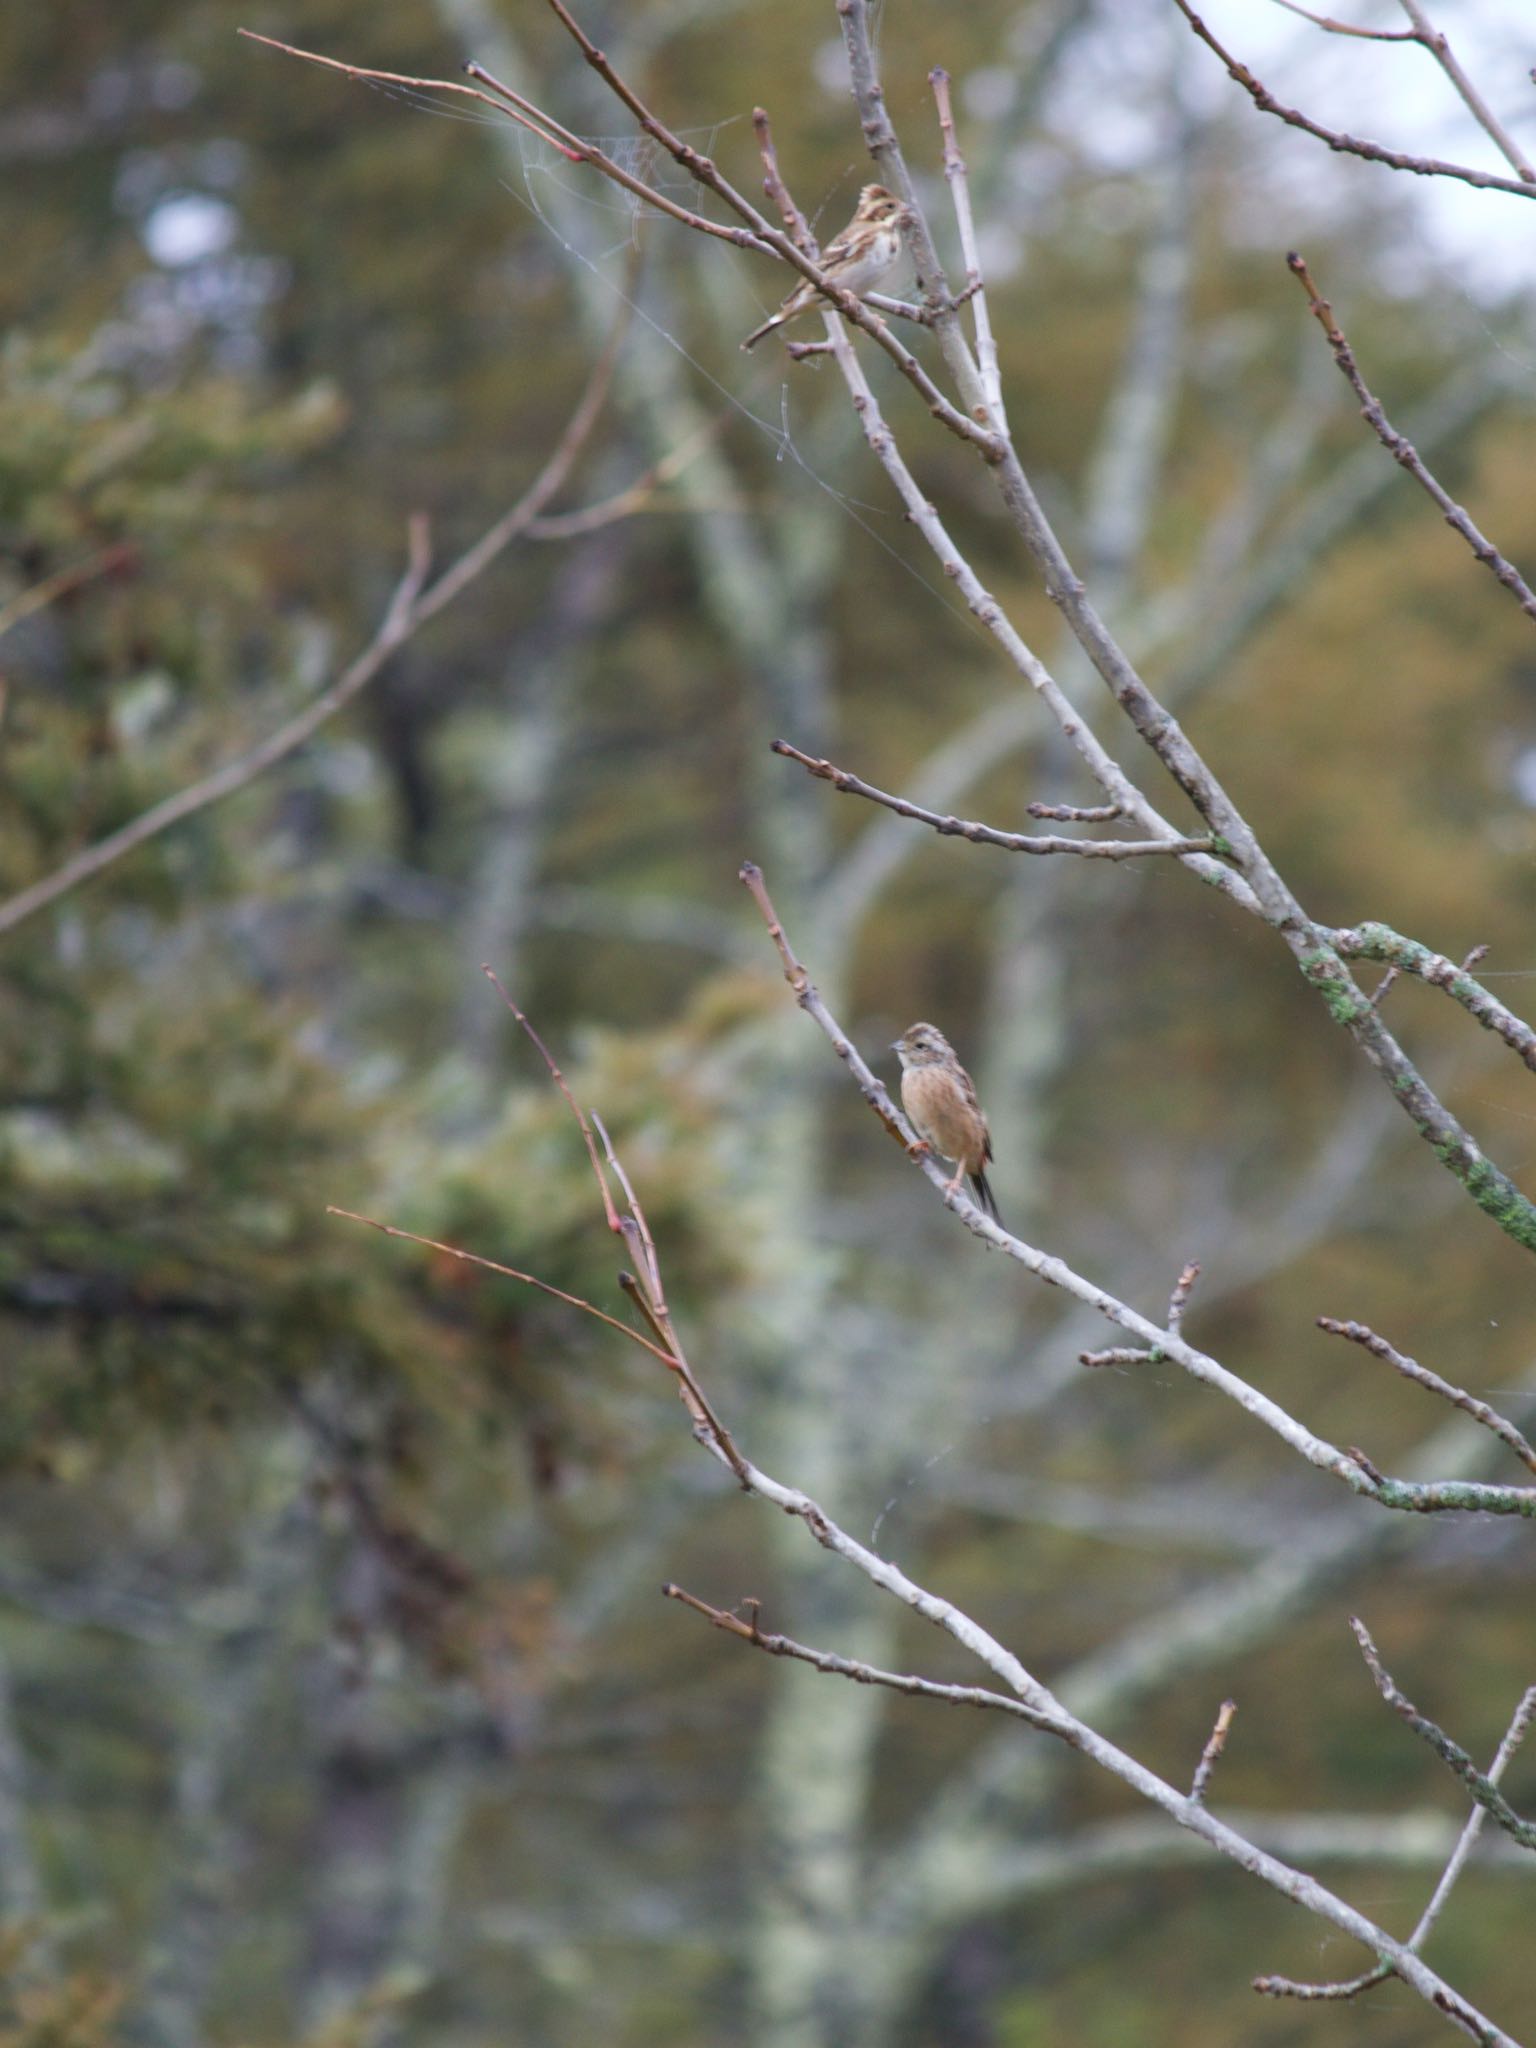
939, 1097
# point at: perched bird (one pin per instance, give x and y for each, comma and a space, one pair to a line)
868, 249
940, 1100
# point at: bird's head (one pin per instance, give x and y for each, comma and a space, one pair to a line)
922, 1045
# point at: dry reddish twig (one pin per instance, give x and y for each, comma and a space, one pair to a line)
975, 288
795, 222
1402, 450
610, 1209
453, 1251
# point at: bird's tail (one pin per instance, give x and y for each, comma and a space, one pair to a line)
985, 1196
767, 328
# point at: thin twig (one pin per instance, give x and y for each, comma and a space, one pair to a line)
453, 1251
986, 835
1210, 1756
1345, 28
749, 1631
367, 77
1490, 1418
1478, 1783
1438, 45
960, 198
610, 1207
1402, 450
1183, 1288
1353, 145
795, 222
1119, 1354
1289, 1987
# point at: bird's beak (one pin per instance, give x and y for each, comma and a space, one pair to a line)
895, 1045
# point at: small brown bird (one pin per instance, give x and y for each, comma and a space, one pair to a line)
940, 1100
867, 250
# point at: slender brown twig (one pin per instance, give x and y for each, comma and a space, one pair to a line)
1183, 1288
1451, 1753
1402, 450
453, 1251
1490, 1418
1352, 145
1287, 1987
987, 835
796, 225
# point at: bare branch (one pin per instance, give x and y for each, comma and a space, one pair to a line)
1482, 1787
987, 835
1402, 450
1367, 1339
1397, 160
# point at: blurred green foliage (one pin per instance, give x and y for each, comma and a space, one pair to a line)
329, 1563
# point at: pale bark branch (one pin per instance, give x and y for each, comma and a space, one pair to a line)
1402, 450
1352, 145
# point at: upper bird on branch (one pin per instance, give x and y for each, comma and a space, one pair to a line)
867, 250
